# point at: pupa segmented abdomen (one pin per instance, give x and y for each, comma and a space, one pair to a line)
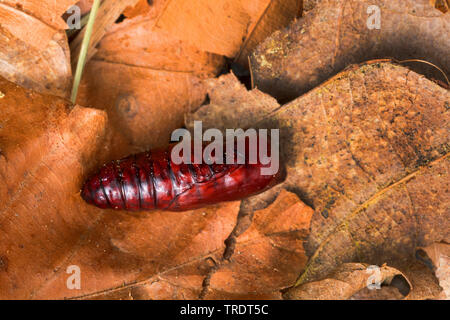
150, 180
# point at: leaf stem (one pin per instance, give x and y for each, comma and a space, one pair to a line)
84, 50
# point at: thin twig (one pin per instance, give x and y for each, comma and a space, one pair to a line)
84, 50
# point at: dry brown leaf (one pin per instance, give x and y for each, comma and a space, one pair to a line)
438, 257
187, 280
350, 281
276, 15
46, 153
335, 34
34, 53
368, 150
135, 42
49, 11
424, 283
142, 73
144, 105
46, 147
229, 28
231, 105
268, 256
158, 255
146, 80
353, 281
142, 7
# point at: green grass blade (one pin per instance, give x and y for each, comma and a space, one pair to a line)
84, 50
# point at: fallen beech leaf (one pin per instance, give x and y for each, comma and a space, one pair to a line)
142, 7
438, 255
47, 11
179, 283
369, 151
157, 255
336, 34
37, 60
141, 75
231, 105
46, 147
261, 257
46, 153
424, 283
386, 292
229, 28
276, 15
135, 42
347, 281
266, 257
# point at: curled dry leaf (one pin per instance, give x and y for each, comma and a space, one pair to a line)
356, 281
437, 257
146, 80
351, 281
229, 28
39, 59
336, 34
424, 283
267, 257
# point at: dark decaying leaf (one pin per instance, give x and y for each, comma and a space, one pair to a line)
336, 34
368, 150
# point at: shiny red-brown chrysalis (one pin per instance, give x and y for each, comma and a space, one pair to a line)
151, 180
